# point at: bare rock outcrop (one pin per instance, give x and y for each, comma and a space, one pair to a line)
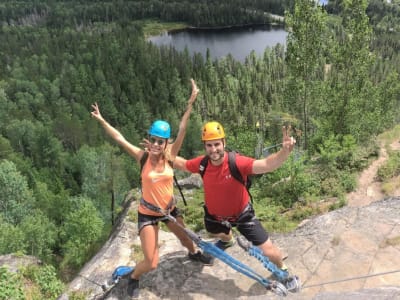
13, 262
350, 253
191, 182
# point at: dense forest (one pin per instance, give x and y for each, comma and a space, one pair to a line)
336, 83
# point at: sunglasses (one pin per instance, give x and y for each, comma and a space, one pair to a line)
156, 140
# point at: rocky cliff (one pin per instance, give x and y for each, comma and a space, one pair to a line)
350, 253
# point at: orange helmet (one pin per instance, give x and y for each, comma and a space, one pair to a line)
212, 131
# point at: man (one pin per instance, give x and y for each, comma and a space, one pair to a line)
227, 202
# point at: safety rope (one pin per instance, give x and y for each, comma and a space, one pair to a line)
350, 278
91, 281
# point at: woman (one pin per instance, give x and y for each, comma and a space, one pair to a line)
157, 190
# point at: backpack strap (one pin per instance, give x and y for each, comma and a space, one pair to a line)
203, 165
236, 174
143, 161
177, 184
233, 167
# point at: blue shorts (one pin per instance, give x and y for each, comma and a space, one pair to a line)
144, 220
247, 224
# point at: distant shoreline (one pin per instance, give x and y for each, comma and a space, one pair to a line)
184, 27
216, 28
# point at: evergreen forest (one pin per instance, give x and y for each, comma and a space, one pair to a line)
63, 181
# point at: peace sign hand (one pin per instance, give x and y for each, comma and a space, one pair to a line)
96, 112
288, 141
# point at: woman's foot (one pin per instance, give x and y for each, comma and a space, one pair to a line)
133, 288
205, 259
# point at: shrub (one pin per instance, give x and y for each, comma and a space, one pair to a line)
331, 186
271, 216
348, 181
391, 168
45, 277
11, 285
81, 232
287, 184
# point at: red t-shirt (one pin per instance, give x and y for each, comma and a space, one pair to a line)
224, 196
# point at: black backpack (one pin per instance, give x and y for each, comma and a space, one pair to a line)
232, 168
143, 161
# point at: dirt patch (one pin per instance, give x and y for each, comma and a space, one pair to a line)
368, 188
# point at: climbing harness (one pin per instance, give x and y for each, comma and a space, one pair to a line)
158, 209
229, 220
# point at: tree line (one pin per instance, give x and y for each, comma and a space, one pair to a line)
336, 83
203, 13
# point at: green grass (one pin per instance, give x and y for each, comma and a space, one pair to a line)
152, 27
389, 136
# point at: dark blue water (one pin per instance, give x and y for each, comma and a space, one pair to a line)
238, 42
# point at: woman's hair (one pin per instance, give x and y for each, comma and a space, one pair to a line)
167, 151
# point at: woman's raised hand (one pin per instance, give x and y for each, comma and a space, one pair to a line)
195, 91
96, 112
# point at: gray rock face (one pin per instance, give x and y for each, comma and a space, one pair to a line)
191, 182
350, 253
350, 250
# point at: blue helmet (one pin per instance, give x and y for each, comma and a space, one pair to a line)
160, 129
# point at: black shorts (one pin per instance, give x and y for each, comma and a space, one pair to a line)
144, 220
247, 224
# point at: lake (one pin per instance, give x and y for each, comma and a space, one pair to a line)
239, 42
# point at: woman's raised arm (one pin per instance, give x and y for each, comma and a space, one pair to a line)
176, 146
132, 150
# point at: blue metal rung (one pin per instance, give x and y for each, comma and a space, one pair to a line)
280, 274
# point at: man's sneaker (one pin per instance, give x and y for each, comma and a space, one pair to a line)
244, 243
224, 245
133, 288
205, 259
293, 284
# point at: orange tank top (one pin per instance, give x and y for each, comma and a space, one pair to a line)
157, 187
